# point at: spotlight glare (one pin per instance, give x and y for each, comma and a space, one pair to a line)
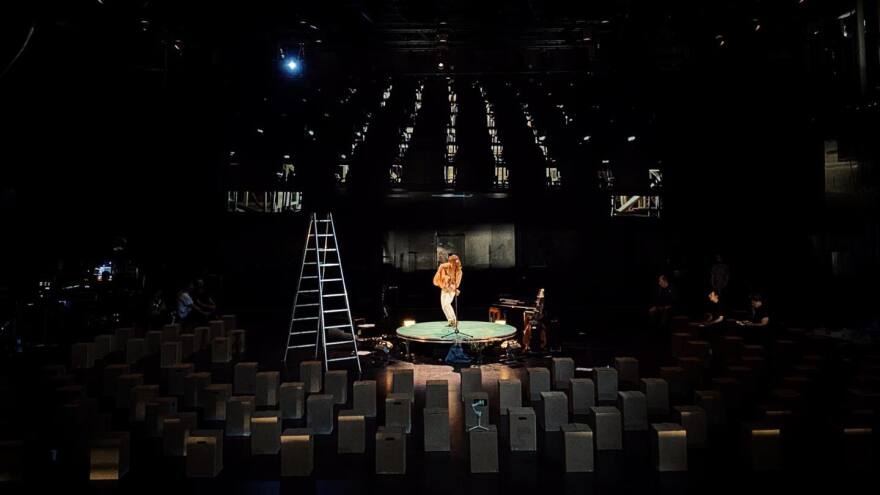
292, 65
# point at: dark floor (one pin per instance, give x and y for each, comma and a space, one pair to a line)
815, 456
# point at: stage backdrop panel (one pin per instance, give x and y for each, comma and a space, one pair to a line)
480, 246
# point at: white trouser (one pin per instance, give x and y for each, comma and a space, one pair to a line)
446, 303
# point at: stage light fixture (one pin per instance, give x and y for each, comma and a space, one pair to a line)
409, 323
500, 322
630, 139
292, 65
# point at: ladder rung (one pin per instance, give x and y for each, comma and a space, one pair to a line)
342, 358
306, 318
304, 332
300, 346
338, 326
308, 304
335, 310
323, 221
310, 263
309, 291
334, 295
321, 235
311, 276
327, 250
329, 264
339, 342
332, 280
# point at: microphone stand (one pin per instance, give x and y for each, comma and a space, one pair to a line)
455, 328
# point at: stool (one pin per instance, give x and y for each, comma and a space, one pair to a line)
352, 433
311, 373
293, 398
677, 343
403, 382
109, 457
204, 453
140, 394
188, 345
122, 335
582, 395
336, 384
217, 328
230, 322
398, 412
764, 447
711, 402
605, 380
319, 414
523, 430
656, 392
436, 429
471, 381
176, 378
605, 422
135, 350
104, 345
213, 398
634, 409
676, 381
267, 388
266, 433
509, 394
437, 394
221, 352
858, 451
111, 373
202, 338
578, 440
171, 333
193, 385
239, 412
175, 431
554, 410
731, 391
364, 398
563, 371
484, 450
470, 415
154, 341
155, 412
539, 381
124, 385
245, 378
693, 368
669, 447
698, 349
390, 450
695, 422
237, 340
170, 354
297, 452
82, 356
627, 371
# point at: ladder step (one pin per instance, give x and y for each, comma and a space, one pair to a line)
327, 250
323, 221
304, 332
338, 326
332, 280
309, 304
311, 276
339, 342
306, 318
310, 263
329, 264
335, 310
321, 235
309, 291
342, 358
301, 346
334, 295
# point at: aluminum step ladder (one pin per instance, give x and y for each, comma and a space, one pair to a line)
320, 305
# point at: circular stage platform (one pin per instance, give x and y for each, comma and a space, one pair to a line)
433, 332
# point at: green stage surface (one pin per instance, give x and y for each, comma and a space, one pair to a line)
433, 331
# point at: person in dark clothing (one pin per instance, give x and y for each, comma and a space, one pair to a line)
714, 311
665, 298
760, 316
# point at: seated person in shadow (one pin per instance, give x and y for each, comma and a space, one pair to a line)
665, 298
714, 315
760, 316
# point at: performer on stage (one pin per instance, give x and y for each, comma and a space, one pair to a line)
448, 278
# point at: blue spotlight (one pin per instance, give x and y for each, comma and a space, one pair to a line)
292, 65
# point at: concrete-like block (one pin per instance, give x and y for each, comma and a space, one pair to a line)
230, 322
265, 433
213, 399
470, 412
693, 419
267, 388
111, 373
364, 398
523, 429
312, 374
605, 380
124, 384
711, 401
554, 410
319, 414
656, 392
297, 452
204, 453
175, 431
764, 447
607, 429
582, 395
171, 333
155, 412
193, 385
139, 396
627, 370
293, 400
578, 440
238, 341
471, 381
171, 354
539, 381
352, 433
403, 382
484, 450
221, 351
245, 378
390, 451
218, 328
509, 394
437, 438
135, 350
398, 412
239, 411
154, 342
336, 384
175, 378
202, 338
437, 394
122, 335
104, 345
188, 345
669, 447
109, 457
563, 372
633, 407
